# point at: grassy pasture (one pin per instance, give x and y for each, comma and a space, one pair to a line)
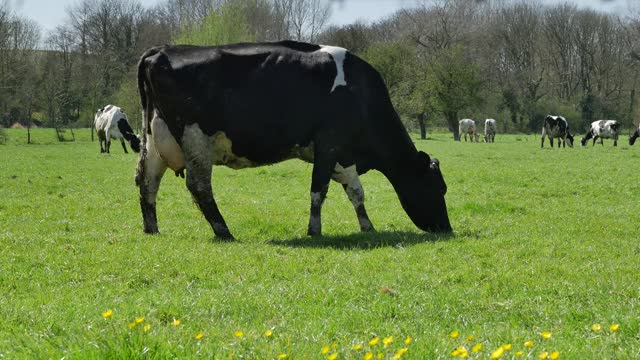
545, 241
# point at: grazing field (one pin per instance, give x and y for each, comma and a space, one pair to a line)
545, 242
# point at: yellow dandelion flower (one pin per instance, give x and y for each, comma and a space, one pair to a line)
374, 341
460, 351
519, 353
268, 333
107, 314
333, 356
470, 338
238, 333
546, 335
400, 353
554, 355
596, 327
380, 355
139, 320
543, 355
357, 347
368, 356
454, 334
455, 352
387, 341
132, 325
175, 322
497, 353
614, 327
506, 347
528, 344
283, 356
409, 339
146, 328
199, 336
464, 353
325, 350
476, 348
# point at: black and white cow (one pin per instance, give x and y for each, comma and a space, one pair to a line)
247, 105
490, 129
634, 136
556, 126
112, 123
603, 129
468, 127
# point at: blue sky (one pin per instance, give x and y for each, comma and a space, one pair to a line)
50, 13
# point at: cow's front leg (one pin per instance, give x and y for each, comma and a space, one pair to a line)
123, 146
350, 181
198, 157
149, 172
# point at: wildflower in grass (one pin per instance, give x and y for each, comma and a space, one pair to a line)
454, 334
357, 347
146, 328
387, 341
409, 340
374, 341
107, 314
268, 333
368, 356
596, 327
400, 353
519, 353
476, 348
139, 320
470, 338
554, 355
282, 356
380, 355
325, 350
546, 335
132, 325
506, 347
175, 322
199, 336
333, 356
528, 344
614, 327
497, 353
460, 351
238, 333
543, 355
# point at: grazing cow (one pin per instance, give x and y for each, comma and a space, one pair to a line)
490, 129
603, 129
248, 105
634, 136
556, 126
468, 127
111, 123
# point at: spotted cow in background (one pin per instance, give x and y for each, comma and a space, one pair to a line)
603, 129
634, 136
490, 129
111, 123
468, 127
556, 126
254, 104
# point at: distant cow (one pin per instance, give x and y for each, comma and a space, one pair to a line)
603, 129
468, 127
112, 123
556, 126
254, 104
634, 136
490, 129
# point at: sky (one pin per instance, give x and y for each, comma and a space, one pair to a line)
50, 13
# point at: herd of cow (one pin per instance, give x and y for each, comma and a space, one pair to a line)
255, 104
554, 126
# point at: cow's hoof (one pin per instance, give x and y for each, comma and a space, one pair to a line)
151, 230
314, 232
367, 229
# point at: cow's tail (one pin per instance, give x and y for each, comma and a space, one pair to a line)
143, 87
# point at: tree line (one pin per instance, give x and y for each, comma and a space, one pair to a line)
442, 60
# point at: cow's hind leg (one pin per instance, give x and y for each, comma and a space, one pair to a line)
323, 166
149, 172
198, 156
350, 181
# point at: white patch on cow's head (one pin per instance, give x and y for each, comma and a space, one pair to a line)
338, 54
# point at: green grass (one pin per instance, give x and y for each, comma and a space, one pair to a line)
545, 240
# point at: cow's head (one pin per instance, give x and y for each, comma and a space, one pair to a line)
421, 189
570, 139
134, 142
583, 141
634, 136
